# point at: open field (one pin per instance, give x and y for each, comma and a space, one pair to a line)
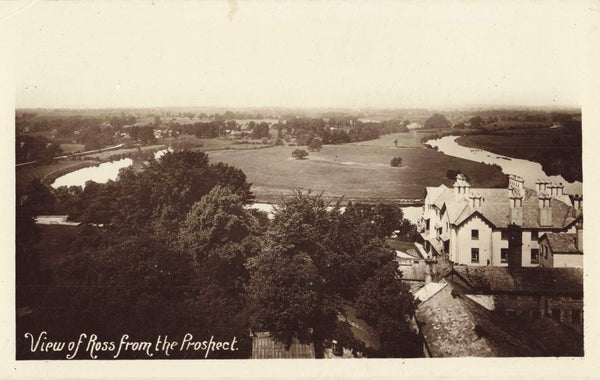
72, 148
559, 153
359, 171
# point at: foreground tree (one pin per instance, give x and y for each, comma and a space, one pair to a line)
386, 302
316, 260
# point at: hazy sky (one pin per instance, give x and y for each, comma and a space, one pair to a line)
299, 54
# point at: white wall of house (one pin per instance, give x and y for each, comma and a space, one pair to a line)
453, 245
497, 245
528, 245
571, 260
466, 243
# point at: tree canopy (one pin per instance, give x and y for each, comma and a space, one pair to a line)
437, 121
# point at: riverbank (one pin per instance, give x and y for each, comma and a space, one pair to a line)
558, 151
529, 170
49, 173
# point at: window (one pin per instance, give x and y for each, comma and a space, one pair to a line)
575, 316
556, 314
534, 235
535, 255
504, 235
474, 234
474, 255
504, 255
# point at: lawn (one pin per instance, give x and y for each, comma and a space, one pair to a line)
356, 171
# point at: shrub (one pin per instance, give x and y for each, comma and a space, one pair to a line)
299, 154
396, 161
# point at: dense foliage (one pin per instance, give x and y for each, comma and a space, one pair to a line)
437, 121
173, 249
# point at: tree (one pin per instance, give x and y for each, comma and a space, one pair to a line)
218, 225
284, 296
299, 154
386, 302
437, 121
476, 122
451, 173
396, 161
315, 145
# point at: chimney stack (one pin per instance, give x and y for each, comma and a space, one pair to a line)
461, 186
516, 209
545, 210
475, 201
578, 202
516, 182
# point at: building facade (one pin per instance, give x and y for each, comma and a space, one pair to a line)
470, 226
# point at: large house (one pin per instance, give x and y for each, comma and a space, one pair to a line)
473, 226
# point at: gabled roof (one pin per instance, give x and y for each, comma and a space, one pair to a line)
455, 326
434, 192
561, 243
533, 280
495, 207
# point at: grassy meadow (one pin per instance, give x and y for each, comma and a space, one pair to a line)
360, 170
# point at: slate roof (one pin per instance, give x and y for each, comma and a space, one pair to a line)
532, 280
495, 207
264, 346
561, 243
455, 326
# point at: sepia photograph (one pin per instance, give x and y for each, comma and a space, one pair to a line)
339, 180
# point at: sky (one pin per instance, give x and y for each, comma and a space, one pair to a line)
351, 54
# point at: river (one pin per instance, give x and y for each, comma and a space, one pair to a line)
530, 171
99, 174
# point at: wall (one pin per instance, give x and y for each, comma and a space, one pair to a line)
528, 244
465, 243
546, 262
525, 306
571, 260
497, 245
